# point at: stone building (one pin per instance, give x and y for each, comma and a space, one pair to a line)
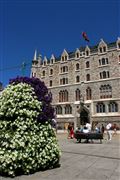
85, 84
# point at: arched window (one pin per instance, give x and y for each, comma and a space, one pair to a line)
100, 108
77, 95
100, 49
77, 78
58, 109
51, 71
77, 55
88, 93
50, 83
87, 64
88, 77
77, 66
104, 49
68, 109
87, 53
105, 91
103, 61
63, 96
43, 73
104, 75
113, 107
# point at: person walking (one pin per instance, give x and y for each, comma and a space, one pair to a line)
102, 129
108, 128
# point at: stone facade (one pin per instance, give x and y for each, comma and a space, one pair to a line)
91, 75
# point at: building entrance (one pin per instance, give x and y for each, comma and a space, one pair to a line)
84, 117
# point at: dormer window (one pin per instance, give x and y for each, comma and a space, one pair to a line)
100, 50
52, 59
104, 49
77, 55
64, 56
44, 63
87, 53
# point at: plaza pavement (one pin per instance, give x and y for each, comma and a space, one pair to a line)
81, 161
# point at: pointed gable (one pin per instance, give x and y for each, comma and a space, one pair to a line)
102, 47
77, 53
64, 56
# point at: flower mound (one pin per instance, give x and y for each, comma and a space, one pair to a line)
27, 141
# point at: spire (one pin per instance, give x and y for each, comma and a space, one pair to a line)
35, 55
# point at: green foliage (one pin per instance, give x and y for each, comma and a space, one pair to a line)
26, 146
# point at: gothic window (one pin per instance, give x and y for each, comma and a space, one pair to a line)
103, 61
63, 96
113, 107
100, 49
104, 75
104, 49
77, 66
64, 69
87, 53
51, 71
51, 61
88, 77
63, 81
62, 58
43, 73
68, 109
58, 109
44, 63
88, 93
77, 79
77, 55
100, 108
50, 83
105, 91
65, 58
77, 95
87, 64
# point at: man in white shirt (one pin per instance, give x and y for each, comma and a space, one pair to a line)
88, 126
108, 128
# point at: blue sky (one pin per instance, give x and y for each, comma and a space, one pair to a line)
50, 26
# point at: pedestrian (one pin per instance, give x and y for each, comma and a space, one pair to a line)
102, 129
108, 128
69, 129
114, 129
72, 132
